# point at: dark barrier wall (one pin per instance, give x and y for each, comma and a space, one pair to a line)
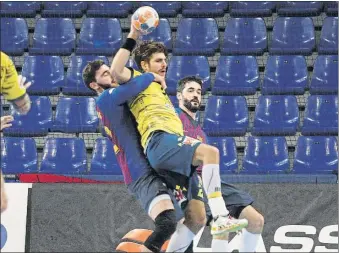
93, 218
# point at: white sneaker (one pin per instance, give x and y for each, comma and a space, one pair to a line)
222, 224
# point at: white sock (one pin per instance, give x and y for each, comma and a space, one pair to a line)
248, 241
181, 239
219, 245
212, 185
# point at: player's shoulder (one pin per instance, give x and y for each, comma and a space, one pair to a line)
104, 96
4, 58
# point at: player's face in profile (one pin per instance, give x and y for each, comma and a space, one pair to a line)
104, 78
191, 96
157, 64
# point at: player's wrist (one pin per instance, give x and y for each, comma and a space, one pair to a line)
129, 44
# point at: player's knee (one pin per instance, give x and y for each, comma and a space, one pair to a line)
256, 224
212, 151
165, 225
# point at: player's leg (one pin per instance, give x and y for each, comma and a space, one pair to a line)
239, 205
209, 157
250, 236
154, 197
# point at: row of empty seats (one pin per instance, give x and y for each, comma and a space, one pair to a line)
224, 116
235, 75
263, 155
168, 9
195, 36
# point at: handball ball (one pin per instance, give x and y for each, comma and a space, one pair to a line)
145, 19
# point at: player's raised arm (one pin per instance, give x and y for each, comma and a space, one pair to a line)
118, 69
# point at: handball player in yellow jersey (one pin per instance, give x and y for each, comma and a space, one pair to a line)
162, 136
13, 88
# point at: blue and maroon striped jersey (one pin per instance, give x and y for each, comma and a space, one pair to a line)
120, 126
192, 128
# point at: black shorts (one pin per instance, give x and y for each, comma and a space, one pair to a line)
181, 189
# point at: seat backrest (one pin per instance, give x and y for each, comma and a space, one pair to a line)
18, 155
182, 66
100, 32
276, 114
76, 114
13, 31
59, 5
237, 71
284, 72
329, 33
104, 159
226, 115
322, 111
293, 31
252, 5
228, 153
197, 32
316, 154
125, 5
265, 155
20, 5
205, 5
45, 72
54, 32
162, 34
246, 32
162, 5
64, 155
39, 116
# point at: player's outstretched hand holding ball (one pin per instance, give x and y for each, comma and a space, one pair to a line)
145, 19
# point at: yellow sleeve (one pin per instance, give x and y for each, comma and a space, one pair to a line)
9, 86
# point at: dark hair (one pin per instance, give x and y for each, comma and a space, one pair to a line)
145, 50
182, 82
88, 74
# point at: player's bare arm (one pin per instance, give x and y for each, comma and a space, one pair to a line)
118, 69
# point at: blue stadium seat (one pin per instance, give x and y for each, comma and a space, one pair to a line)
304, 8
331, 8
182, 66
196, 36
316, 155
19, 9
293, 35
132, 64
36, 122
161, 34
204, 9
99, 36
285, 74
64, 156
265, 155
14, 35
164, 9
104, 161
329, 36
61, 9
321, 115
54, 36
325, 75
236, 75
46, 74
226, 115
109, 9
174, 101
245, 36
276, 115
74, 82
18, 155
251, 9
228, 153
75, 115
